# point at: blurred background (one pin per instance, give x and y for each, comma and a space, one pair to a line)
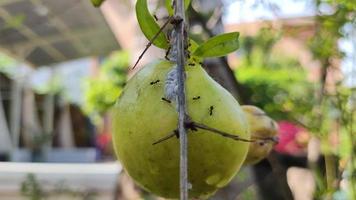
64, 63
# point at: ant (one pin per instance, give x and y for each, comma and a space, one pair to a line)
211, 110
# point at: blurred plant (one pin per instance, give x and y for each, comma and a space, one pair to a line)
102, 91
33, 190
51, 85
5, 64
39, 143
278, 85
334, 120
15, 21
261, 44
284, 92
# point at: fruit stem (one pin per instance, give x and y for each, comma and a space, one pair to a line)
180, 42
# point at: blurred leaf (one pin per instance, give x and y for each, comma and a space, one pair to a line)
31, 188
193, 45
97, 3
102, 91
281, 88
169, 7
149, 26
15, 21
217, 46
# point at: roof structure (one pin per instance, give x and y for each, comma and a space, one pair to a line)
43, 32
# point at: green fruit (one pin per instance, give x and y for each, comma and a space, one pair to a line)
261, 126
141, 117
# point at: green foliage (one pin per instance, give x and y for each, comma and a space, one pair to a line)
53, 85
283, 92
265, 39
5, 64
276, 84
15, 21
101, 92
168, 4
217, 46
149, 26
97, 3
332, 107
324, 44
31, 188
279, 86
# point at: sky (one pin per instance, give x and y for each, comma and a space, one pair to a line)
252, 10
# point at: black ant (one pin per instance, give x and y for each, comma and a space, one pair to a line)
154, 82
155, 16
211, 110
166, 100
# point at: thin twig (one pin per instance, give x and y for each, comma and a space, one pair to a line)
234, 137
174, 133
151, 41
180, 44
194, 126
222, 133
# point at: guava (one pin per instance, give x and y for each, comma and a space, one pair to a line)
142, 116
263, 130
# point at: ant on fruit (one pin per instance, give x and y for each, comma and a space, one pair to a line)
211, 110
155, 16
196, 98
166, 100
154, 82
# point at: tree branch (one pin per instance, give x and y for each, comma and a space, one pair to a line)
151, 42
194, 126
180, 46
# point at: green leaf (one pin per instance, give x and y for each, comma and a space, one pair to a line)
186, 4
218, 46
169, 7
192, 47
149, 25
97, 3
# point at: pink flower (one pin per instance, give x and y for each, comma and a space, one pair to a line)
288, 144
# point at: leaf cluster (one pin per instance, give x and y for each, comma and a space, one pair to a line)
217, 46
276, 83
329, 28
101, 92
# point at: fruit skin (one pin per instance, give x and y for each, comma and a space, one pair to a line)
141, 118
261, 126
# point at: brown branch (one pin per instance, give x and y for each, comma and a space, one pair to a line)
151, 41
222, 133
174, 133
194, 126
